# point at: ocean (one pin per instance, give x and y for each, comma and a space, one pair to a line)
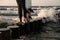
41, 12
50, 30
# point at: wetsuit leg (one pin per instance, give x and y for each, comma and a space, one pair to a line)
19, 3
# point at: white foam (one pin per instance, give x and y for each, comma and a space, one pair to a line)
48, 13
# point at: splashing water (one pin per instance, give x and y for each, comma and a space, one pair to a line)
48, 13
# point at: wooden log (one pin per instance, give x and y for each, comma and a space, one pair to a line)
5, 35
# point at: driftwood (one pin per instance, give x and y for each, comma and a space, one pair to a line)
3, 25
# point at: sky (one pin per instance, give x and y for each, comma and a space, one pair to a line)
8, 2
46, 2
33, 2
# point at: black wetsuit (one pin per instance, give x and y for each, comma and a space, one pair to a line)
21, 6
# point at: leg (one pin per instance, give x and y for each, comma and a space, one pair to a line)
24, 10
20, 14
19, 3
